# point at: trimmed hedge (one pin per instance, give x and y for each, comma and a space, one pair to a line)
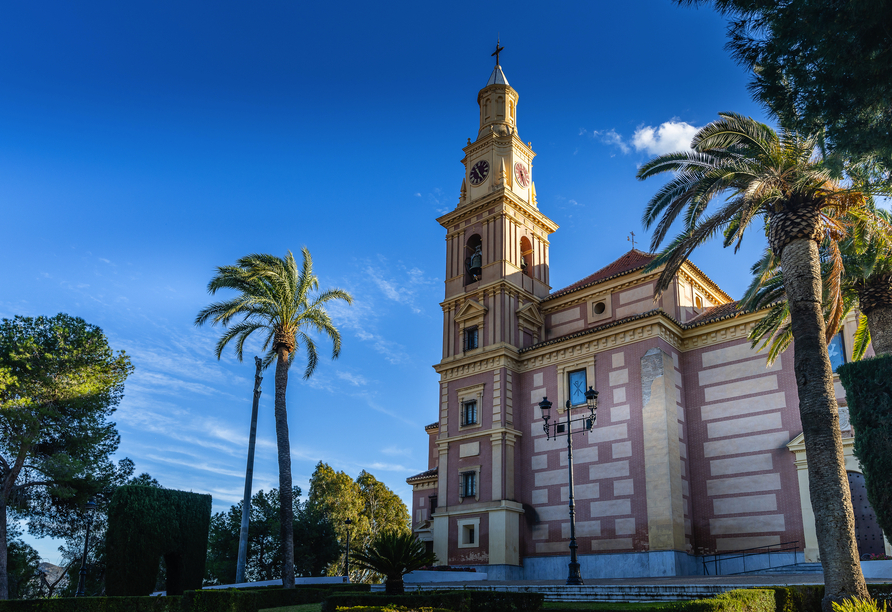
460, 601
94, 604
868, 385
146, 523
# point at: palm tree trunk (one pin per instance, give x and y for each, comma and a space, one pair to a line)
249, 478
828, 484
879, 321
286, 509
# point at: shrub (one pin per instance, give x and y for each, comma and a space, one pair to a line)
145, 523
868, 385
460, 601
94, 604
859, 605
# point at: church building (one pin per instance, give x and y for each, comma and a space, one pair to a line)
697, 447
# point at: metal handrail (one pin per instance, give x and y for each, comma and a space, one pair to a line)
746, 552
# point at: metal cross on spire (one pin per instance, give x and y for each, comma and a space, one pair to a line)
498, 50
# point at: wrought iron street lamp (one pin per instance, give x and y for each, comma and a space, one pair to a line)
588, 422
82, 580
347, 522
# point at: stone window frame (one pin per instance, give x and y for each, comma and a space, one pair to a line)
463, 524
465, 422
467, 394
607, 299
468, 469
563, 383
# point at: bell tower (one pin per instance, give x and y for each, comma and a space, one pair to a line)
496, 238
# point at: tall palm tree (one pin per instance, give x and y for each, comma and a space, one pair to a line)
278, 299
775, 178
857, 274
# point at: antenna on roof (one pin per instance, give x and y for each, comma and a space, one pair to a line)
631, 238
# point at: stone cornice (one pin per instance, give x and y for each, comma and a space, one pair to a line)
443, 440
501, 355
509, 205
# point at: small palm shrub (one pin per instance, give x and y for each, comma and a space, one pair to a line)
393, 554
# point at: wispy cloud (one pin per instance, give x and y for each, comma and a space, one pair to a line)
608, 137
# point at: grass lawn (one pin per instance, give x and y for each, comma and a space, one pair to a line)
315, 607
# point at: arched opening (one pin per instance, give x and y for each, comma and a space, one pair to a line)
473, 259
526, 256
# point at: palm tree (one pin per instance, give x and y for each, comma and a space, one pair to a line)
394, 554
277, 298
775, 178
857, 274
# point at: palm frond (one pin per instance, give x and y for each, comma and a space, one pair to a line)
862, 338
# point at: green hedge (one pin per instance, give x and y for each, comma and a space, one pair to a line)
94, 604
460, 601
146, 523
868, 385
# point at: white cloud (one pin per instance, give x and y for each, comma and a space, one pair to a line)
670, 136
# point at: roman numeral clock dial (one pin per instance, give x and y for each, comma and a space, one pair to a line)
479, 172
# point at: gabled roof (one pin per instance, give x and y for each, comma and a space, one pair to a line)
497, 77
630, 262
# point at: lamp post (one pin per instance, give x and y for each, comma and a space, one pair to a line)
347, 522
82, 580
588, 422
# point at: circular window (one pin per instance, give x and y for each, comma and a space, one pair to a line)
599, 308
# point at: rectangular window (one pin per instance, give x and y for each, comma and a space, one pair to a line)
576, 381
469, 484
837, 351
469, 413
468, 536
471, 338
433, 500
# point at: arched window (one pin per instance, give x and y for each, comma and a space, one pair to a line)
526, 256
473, 259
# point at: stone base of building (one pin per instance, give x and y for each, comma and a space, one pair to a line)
640, 565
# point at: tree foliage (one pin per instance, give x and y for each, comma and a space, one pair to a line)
823, 67
315, 543
23, 566
59, 384
371, 506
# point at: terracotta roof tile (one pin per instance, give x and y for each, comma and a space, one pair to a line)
422, 475
433, 425
631, 261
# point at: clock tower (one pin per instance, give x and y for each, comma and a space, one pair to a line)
496, 276
496, 240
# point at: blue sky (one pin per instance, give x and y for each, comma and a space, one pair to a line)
142, 144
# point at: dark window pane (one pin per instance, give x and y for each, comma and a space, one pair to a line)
577, 387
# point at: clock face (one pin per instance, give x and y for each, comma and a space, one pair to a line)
522, 174
479, 172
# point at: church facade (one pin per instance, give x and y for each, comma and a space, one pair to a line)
697, 447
